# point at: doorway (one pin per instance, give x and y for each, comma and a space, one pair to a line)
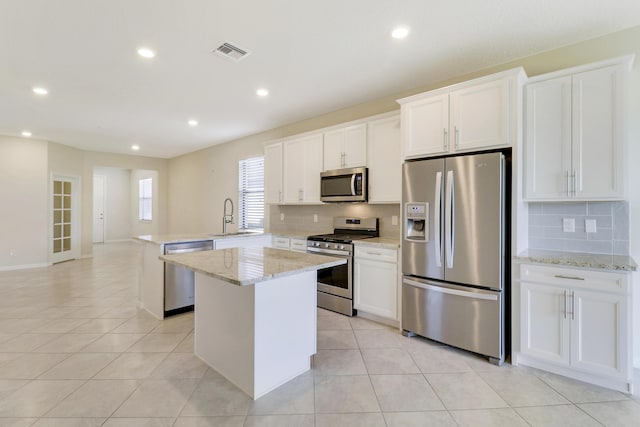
98, 208
65, 215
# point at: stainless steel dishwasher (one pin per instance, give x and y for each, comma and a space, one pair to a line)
179, 281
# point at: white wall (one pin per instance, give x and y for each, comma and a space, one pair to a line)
23, 202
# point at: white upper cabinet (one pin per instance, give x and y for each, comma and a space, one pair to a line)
345, 147
273, 173
302, 164
469, 116
383, 158
574, 134
425, 126
480, 116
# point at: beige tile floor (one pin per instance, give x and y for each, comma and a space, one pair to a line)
75, 351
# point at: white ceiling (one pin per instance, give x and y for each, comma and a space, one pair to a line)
314, 56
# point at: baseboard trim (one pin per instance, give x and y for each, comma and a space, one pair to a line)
25, 266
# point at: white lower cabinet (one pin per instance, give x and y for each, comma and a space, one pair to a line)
242, 242
576, 323
280, 242
298, 245
376, 281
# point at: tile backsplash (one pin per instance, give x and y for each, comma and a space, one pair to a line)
299, 219
612, 227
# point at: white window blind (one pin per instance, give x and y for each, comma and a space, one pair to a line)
145, 195
251, 197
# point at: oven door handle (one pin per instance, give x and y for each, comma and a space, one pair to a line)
328, 252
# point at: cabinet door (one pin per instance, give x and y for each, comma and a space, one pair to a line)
544, 323
345, 147
597, 133
273, 173
355, 146
302, 159
598, 332
425, 126
548, 139
376, 287
480, 116
384, 161
333, 149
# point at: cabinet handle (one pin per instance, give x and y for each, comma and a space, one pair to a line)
457, 137
566, 174
280, 196
300, 194
565, 304
445, 139
560, 276
573, 305
374, 253
573, 180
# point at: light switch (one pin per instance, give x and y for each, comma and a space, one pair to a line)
315, 217
590, 225
394, 219
281, 216
569, 225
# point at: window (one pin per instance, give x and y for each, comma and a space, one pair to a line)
251, 197
145, 195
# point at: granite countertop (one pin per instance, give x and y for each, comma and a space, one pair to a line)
384, 242
248, 266
162, 239
577, 259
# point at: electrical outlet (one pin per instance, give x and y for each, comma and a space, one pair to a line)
590, 225
394, 220
569, 225
281, 216
315, 217
12, 252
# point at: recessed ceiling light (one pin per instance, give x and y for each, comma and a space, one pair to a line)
400, 32
26, 133
262, 92
146, 52
135, 147
193, 122
40, 90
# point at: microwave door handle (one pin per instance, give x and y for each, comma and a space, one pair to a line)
353, 184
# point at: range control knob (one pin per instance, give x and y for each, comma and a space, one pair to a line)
341, 247
326, 245
317, 244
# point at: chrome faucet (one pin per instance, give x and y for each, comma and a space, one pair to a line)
227, 218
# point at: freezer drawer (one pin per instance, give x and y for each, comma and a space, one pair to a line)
460, 316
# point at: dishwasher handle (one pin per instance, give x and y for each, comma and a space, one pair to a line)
182, 248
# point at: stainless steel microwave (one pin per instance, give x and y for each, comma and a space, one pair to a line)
344, 185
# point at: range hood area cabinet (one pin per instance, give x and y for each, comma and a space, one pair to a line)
293, 165
345, 147
469, 116
575, 131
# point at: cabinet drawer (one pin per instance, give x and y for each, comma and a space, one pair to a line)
574, 278
281, 242
374, 253
299, 245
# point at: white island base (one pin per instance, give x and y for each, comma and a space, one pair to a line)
257, 336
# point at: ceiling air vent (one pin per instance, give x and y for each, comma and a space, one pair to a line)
230, 51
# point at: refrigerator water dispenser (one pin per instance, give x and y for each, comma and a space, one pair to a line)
417, 227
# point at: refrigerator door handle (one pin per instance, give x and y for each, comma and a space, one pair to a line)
436, 219
448, 220
487, 295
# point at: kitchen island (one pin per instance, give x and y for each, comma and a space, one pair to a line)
255, 313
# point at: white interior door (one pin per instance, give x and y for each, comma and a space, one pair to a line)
98, 208
65, 218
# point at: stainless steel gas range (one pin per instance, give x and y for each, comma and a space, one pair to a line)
335, 284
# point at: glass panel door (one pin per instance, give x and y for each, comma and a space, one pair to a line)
64, 229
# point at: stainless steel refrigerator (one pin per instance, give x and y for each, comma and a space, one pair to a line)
453, 252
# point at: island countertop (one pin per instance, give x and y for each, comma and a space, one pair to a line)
248, 266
